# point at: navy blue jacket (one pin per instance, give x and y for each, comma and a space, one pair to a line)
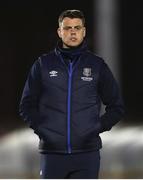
62, 98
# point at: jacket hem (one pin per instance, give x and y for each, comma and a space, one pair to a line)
73, 151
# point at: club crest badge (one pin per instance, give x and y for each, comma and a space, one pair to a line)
87, 74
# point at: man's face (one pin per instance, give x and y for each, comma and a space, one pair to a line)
71, 31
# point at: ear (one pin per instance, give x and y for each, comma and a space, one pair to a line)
84, 32
59, 32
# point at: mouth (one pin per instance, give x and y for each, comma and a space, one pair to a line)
73, 39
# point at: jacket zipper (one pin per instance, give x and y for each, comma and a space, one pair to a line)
69, 109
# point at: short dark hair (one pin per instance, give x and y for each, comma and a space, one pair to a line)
72, 14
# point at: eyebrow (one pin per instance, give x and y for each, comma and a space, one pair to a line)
78, 26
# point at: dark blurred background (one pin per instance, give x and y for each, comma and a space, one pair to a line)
132, 62
29, 29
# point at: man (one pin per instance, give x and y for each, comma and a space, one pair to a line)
61, 102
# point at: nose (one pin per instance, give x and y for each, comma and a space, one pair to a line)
73, 30
73, 33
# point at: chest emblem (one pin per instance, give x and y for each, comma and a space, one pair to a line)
87, 74
53, 73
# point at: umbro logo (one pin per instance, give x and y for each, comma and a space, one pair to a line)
53, 73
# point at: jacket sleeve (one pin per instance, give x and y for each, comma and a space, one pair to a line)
28, 108
110, 96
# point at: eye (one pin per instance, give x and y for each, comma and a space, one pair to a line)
67, 28
78, 27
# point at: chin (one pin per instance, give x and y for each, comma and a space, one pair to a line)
74, 45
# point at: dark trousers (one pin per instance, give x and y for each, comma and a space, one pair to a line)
70, 166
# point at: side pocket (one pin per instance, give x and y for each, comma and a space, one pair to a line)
94, 130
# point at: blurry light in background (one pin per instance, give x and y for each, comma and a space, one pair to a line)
106, 33
121, 156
